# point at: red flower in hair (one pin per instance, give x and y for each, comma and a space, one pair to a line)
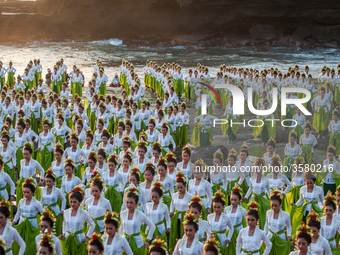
313, 217
329, 199
132, 190
135, 170
94, 172
149, 164
236, 190
254, 206
77, 189
190, 218
94, 238
170, 156
96, 180
28, 181
211, 243
186, 148
109, 216
3, 203
275, 159
157, 185
196, 200
46, 215
45, 239
219, 196
304, 231
179, 176
158, 245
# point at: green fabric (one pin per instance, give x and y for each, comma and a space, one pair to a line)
250, 252
334, 139
298, 130
115, 197
34, 123
135, 250
157, 233
97, 229
28, 233
307, 152
264, 206
60, 139
187, 91
58, 224
291, 198
321, 121
78, 89
93, 121
10, 79
19, 157
45, 158
231, 249
297, 215
167, 198
174, 230
70, 246
183, 136
279, 245
102, 89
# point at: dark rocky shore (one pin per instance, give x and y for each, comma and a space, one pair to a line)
218, 23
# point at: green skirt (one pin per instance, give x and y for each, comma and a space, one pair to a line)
297, 215
167, 198
78, 89
11, 174
291, 197
321, 121
110, 128
34, 123
28, 233
307, 152
45, 158
93, 121
158, 234
19, 156
187, 91
279, 246
70, 246
183, 136
102, 89
135, 250
334, 140
298, 131
58, 182
115, 198
58, 224
174, 230
10, 79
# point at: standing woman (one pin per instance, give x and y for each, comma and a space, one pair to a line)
303, 241
125, 169
112, 179
196, 206
75, 153
259, 190
158, 212
20, 139
114, 243
330, 227
185, 166
46, 144
91, 161
307, 143
10, 74
189, 244
183, 126
49, 199
311, 197
331, 167
319, 245
47, 221
220, 223
178, 207
87, 148
147, 185
94, 107
29, 168
165, 180
61, 130
69, 181
131, 222
58, 165
237, 215
35, 109
26, 217
9, 156
251, 238
278, 225
97, 205
321, 108
292, 150
7, 232
73, 225
201, 187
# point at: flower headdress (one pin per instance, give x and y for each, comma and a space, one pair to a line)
159, 243
8, 117
6, 203
213, 242
69, 161
276, 192
219, 194
303, 228
156, 144
253, 205
152, 120
46, 121
149, 164
48, 213
163, 160
260, 160
180, 175
96, 237
312, 216
276, 159
218, 153
238, 189
78, 189
158, 184
112, 216
50, 172
308, 125
92, 154
126, 139
97, 179
136, 170
232, 152
29, 179
189, 217
299, 160
186, 148
244, 147
113, 156
142, 143
199, 162
47, 238
196, 199
28, 145
170, 154
331, 149
129, 153
329, 197
133, 189
102, 150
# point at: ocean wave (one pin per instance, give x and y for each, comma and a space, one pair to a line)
114, 42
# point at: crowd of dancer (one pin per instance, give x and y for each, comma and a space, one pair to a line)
84, 171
